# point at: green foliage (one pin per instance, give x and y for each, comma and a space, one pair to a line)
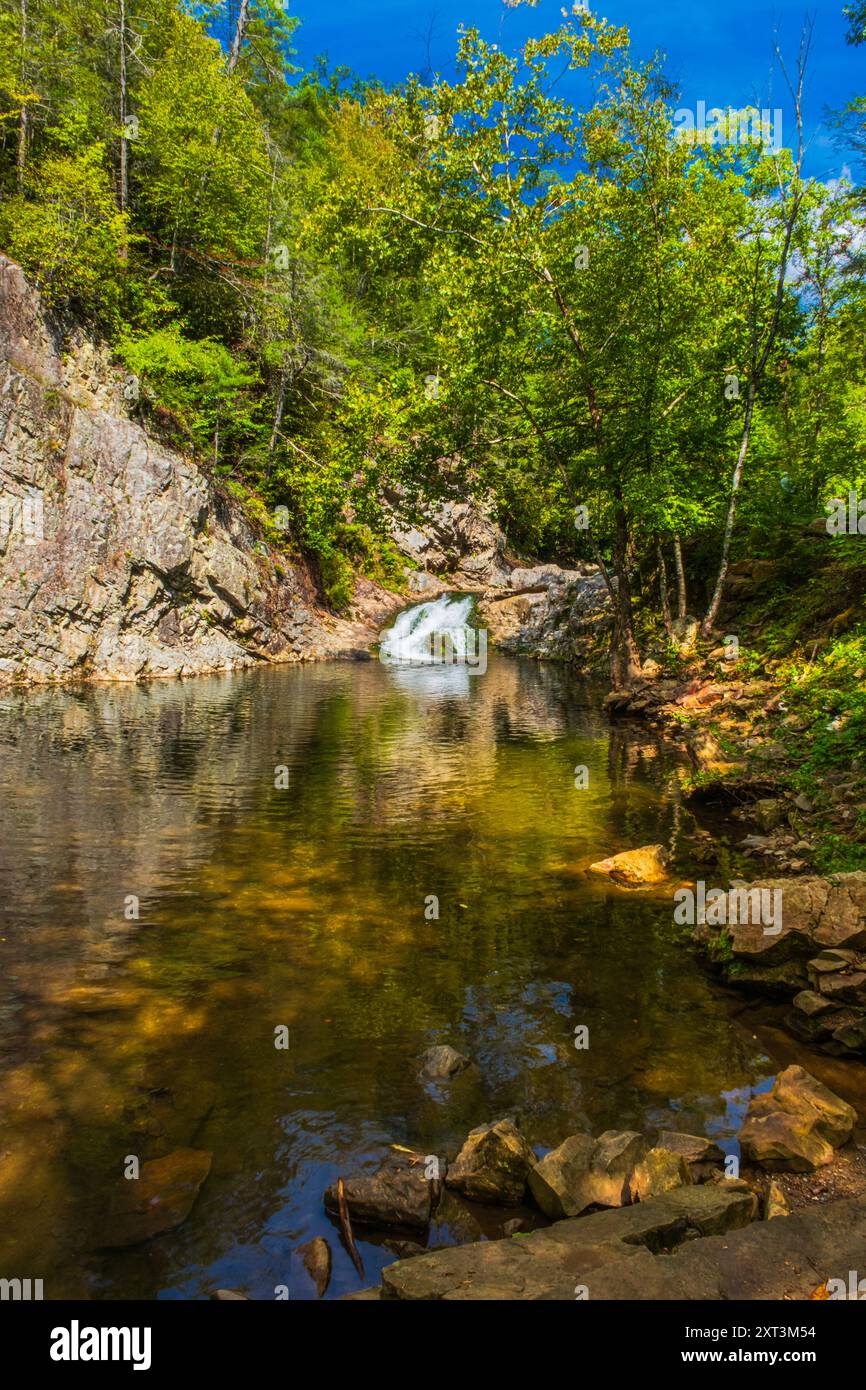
198, 381
66, 232
856, 17
354, 301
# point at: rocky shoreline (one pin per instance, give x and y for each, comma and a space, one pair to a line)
605, 1200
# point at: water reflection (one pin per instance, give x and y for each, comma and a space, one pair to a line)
304, 905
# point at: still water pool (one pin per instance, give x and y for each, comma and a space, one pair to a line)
310, 905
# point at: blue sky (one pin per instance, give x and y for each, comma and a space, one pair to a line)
720, 53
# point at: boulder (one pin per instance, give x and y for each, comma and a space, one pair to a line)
634, 866
616, 1156
827, 962
817, 913
559, 1182
493, 1165
441, 1063
812, 1004
797, 1091
585, 1172
845, 986
158, 1200
397, 1195
797, 1125
693, 1147
660, 1170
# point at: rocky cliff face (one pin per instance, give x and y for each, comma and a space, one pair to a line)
118, 558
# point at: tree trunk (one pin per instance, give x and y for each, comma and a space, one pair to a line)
712, 612
124, 170
625, 662
682, 597
21, 159
278, 420
663, 588
240, 30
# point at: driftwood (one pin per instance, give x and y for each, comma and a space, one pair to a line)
346, 1228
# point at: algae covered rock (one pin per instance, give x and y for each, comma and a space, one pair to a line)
493, 1165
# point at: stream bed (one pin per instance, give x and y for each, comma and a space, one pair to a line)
378, 858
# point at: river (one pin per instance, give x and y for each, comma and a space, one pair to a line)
377, 858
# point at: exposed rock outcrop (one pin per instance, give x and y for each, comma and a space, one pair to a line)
552, 613
119, 558
541, 610
817, 959
457, 542
693, 1244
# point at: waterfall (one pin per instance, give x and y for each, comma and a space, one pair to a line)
437, 632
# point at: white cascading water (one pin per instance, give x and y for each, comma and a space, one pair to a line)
422, 633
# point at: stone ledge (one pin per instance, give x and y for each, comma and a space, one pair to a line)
621, 1254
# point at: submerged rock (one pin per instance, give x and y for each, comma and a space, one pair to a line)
797, 1126
634, 866
158, 1200
441, 1063
316, 1255
493, 1165
453, 1221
